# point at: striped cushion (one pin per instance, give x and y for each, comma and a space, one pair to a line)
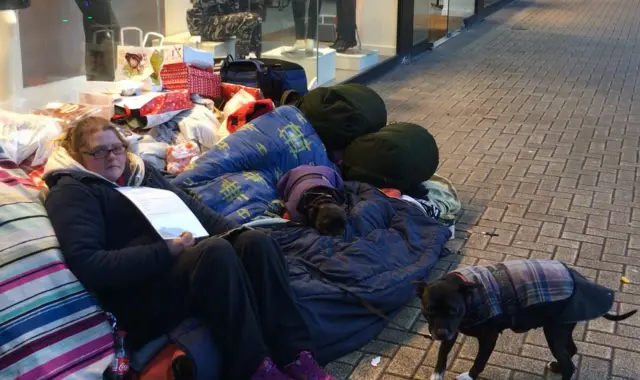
50, 327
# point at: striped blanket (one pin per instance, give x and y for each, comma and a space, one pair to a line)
50, 327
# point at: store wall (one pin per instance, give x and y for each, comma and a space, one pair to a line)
175, 19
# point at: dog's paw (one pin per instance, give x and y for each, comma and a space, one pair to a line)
554, 367
437, 376
464, 376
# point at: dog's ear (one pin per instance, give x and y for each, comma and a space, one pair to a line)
462, 282
466, 285
420, 287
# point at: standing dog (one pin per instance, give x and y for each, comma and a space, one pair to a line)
483, 301
314, 195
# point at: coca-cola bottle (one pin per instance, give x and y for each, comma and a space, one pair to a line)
119, 369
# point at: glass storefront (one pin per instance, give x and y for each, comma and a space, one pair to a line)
49, 48
333, 40
457, 12
437, 19
62, 44
53, 48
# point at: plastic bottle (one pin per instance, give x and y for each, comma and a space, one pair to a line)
119, 369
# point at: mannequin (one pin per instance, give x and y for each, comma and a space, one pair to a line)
219, 20
346, 14
306, 24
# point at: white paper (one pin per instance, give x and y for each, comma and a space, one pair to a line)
166, 212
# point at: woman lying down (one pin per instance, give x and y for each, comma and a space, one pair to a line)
238, 287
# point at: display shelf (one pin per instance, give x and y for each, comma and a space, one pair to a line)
357, 61
220, 49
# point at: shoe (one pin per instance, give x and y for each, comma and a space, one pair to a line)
269, 371
343, 45
298, 45
310, 45
306, 368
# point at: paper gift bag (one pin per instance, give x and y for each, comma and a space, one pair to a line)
186, 54
139, 63
100, 56
172, 53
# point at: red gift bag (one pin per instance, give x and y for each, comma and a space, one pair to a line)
230, 89
180, 76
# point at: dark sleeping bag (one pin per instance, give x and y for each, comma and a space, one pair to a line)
399, 156
339, 114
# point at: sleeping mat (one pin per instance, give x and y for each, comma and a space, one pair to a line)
388, 243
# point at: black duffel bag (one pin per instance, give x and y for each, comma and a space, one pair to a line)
399, 156
275, 77
342, 113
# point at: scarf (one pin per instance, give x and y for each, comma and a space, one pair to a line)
61, 162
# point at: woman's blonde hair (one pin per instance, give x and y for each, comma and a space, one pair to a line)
75, 138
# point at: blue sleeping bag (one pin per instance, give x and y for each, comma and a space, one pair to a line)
238, 176
388, 243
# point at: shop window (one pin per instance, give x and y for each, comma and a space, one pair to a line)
333, 40
49, 48
52, 48
436, 19
457, 11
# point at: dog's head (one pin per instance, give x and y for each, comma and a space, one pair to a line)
328, 218
444, 304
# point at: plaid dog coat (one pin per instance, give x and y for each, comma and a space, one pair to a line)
511, 286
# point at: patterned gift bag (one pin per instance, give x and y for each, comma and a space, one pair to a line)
180, 76
139, 63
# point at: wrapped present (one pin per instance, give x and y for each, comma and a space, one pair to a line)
66, 113
180, 156
181, 76
155, 107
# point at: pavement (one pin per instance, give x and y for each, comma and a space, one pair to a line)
536, 114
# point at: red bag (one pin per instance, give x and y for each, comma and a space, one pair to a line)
230, 89
160, 368
248, 112
180, 76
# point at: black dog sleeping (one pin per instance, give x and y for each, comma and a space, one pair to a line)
522, 295
314, 195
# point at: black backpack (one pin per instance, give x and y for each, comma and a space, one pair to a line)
276, 78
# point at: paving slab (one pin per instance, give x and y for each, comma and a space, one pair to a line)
537, 117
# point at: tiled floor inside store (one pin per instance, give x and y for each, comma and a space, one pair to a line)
537, 116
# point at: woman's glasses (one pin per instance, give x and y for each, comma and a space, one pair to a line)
104, 152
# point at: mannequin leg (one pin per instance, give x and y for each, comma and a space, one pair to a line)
299, 8
346, 13
346, 10
312, 24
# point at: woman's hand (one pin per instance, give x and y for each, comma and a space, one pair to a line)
177, 246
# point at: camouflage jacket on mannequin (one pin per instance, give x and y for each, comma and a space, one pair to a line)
218, 20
